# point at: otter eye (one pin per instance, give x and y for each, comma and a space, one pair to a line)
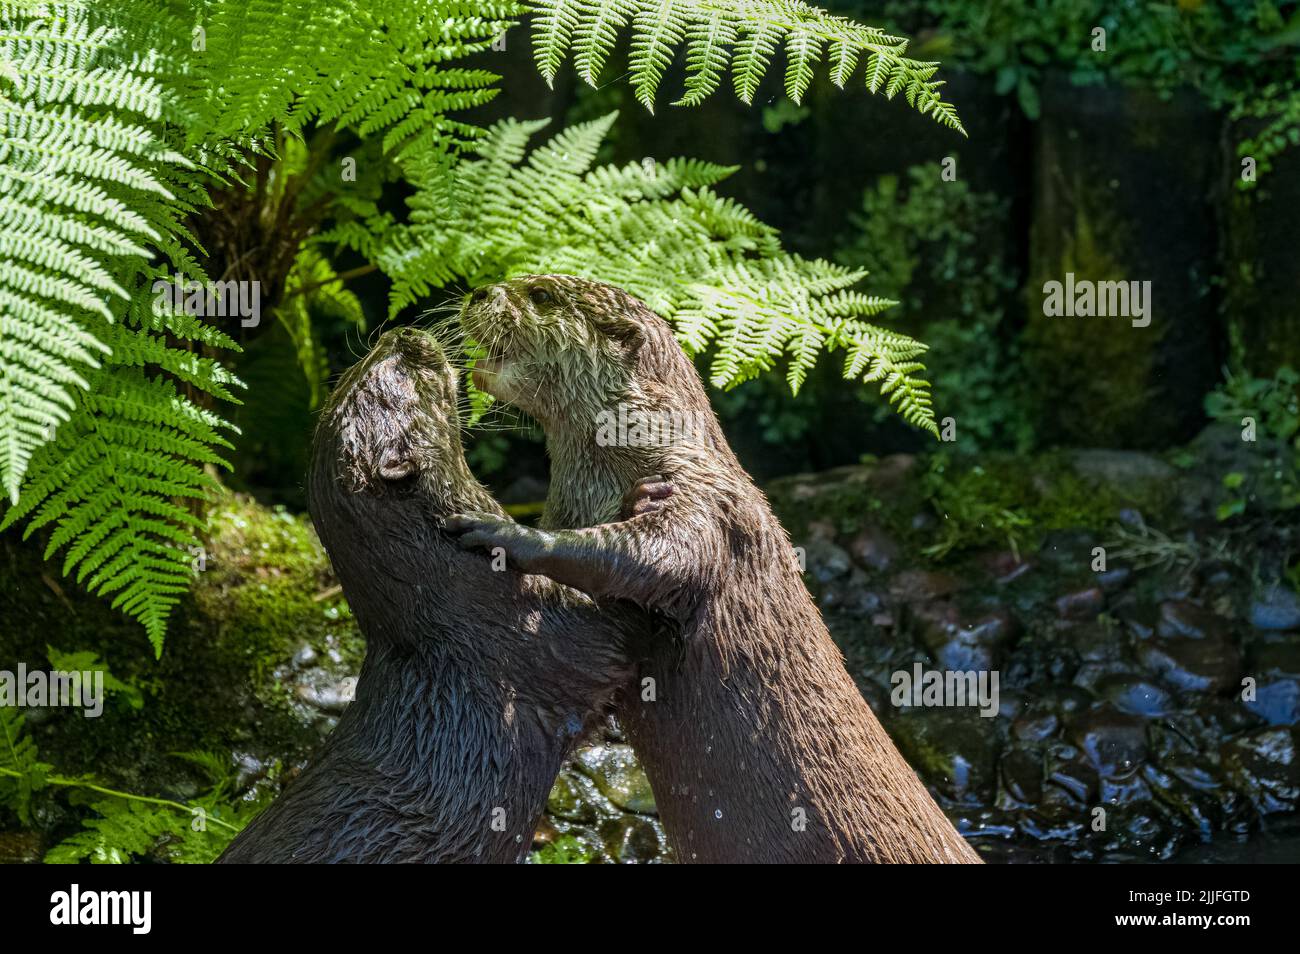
540, 296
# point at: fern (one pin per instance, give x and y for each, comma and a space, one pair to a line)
700, 260
742, 34
127, 825
122, 122
22, 773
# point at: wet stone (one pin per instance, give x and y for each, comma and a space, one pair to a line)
961, 646
1068, 769
873, 548
1134, 695
1208, 664
1022, 776
572, 798
1035, 726
629, 839
921, 586
1004, 566
1081, 604
955, 750
825, 561
1265, 766
618, 776
1180, 618
1114, 742
1276, 668
1276, 608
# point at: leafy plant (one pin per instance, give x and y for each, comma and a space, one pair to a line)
255, 140
930, 243
124, 826
742, 34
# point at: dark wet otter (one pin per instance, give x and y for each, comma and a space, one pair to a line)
758, 745
476, 684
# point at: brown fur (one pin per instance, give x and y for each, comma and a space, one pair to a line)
755, 720
476, 683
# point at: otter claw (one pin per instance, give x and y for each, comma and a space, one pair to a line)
473, 529
646, 496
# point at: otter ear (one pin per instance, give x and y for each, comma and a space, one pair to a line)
396, 466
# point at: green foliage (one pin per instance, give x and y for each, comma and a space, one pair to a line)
932, 244
1240, 54
1272, 408
124, 122
75, 663
22, 773
742, 34
1273, 403
124, 826
564, 850
659, 230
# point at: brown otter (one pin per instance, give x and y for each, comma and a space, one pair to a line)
757, 744
476, 684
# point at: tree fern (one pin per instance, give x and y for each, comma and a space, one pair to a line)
742, 34
700, 260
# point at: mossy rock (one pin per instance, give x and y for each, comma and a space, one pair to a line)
224, 683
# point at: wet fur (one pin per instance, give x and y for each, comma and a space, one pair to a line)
476, 684
755, 719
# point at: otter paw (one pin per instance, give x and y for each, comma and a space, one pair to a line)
646, 496
480, 530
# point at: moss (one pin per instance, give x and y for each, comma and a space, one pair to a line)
220, 685
1099, 363
998, 500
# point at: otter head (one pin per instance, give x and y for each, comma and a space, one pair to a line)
562, 348
390, 434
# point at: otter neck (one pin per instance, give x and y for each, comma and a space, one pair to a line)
440, 752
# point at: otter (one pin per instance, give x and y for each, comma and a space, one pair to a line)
757, 743
476, 684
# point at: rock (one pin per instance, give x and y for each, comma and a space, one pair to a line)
1081, 604
1265, 767
1068, 769
1022, 777
1276, 668
1276, 608
873, 548
1122, 468
1134, 695
618, 775
1114, 742
825, 561
573, 798
1004, 566
1187, 620
953, 749
1192, 665
1035, 726
921, 586
960, 646
629, 839
332, 697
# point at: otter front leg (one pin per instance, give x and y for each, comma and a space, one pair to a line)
600, 561
605, 561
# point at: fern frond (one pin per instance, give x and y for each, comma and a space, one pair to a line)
742, 34
702, 261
